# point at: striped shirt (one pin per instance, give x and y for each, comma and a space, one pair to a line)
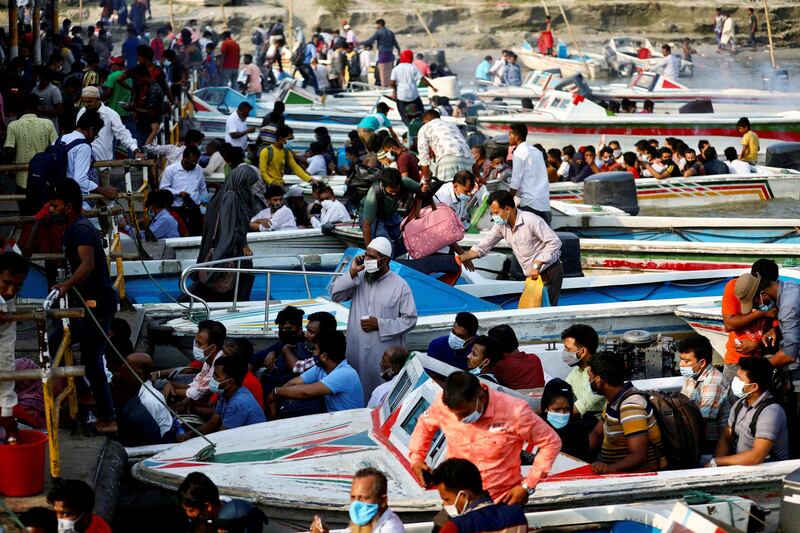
628, 417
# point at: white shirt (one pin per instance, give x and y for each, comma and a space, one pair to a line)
321, 72
103, 145
333, 211
157, 410
444, 138
364, 58
176, 179
529, 178
670, 67
317, 166
8, 336
407, 76
497, 71
380, 393
215, 164
79, 162
234, 124
281, 220
563, 170
737, 166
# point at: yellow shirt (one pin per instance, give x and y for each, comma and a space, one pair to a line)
29, 135
750, 141
272, 171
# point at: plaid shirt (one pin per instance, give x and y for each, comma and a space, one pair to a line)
710, 393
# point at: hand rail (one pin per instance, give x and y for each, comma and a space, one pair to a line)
238, 270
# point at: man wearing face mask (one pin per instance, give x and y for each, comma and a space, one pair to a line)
405, 162
454, 347
236, 406
382, 310
705, 386
378, 209
274, 364
73, 501
332, 210
490, 428
485, 353
391, 364
580, 344
535, 245
464, 500
369, 506
276, 216
757, 426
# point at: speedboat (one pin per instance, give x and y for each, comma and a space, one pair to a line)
568, 61
626, 54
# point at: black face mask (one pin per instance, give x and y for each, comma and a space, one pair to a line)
58, 218
287, 337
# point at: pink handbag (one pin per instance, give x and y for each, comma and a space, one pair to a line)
429, 229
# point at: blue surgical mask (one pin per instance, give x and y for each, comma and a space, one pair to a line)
214, 385
473, 417
464, 197
455, 342
499, 220
475, 371
765, 307
362, 513
198, 353
687, 371
167, 62
558, 420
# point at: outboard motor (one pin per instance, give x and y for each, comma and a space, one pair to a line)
646, 356
696, 106
616, 189
575, 84
570, 254
784, 155
775, 80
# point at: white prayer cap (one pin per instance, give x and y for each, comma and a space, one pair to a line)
382, 245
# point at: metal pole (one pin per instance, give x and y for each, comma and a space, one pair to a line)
266, 302
236, 288
769, 35
13, 29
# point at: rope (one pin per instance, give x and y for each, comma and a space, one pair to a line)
206, 453
699, 497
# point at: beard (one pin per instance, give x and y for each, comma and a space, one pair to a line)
372, 277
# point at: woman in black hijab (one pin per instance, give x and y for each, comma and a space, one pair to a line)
558, 404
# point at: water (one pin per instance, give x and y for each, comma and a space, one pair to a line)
777, 208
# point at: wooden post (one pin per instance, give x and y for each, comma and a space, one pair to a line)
224, 18
54, 22
769, 36
574, 41
425, 27
13, 28
80, 12
290, 24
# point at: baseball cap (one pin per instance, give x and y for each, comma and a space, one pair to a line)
294, 192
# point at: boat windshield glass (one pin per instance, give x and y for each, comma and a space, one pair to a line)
399, 391
646, 81
410, 421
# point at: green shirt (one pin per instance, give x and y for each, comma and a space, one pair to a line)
585, 400
383, 206
413, 129
119, 94
29, 135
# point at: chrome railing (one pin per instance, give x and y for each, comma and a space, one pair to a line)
210, 266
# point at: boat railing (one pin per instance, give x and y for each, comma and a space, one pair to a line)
225, 266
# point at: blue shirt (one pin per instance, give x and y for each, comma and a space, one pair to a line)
374, 122
482, 72
346, 392
241, 410
512, 75
129, 51
163, 226
310, 53
440, 349
789, 317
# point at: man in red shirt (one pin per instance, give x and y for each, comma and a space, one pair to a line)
407, 163
745, 330
230, 59
73, 502
516, 370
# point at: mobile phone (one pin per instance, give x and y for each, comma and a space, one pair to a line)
360, 259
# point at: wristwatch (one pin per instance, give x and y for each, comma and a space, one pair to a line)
527, 488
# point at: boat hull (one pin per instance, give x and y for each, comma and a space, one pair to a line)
267, 244
568, 67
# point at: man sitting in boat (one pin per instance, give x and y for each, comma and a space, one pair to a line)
274, 364
516, 370
369, 506
580, 344
628, 435
692, 167
277, 216
490, 428
757, 430
465, 502
484, 355
332, 380
736, 165
705, 386
454, 347
712, 165
332, 211
660, 164
392, 362
236, 406
199, 498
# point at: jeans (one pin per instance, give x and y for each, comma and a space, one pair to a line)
309, 78
546, 216
229, 77
552, 277
390, 228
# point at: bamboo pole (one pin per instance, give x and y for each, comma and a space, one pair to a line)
80, 12
290, 24
425, 27
574, 41
54, 22
769, 35
172, 16
33, 374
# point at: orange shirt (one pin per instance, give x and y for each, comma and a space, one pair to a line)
493, 443
754, 332
230, 54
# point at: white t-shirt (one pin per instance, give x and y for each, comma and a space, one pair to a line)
282, 219
737, 166
407, 77
234, 124
317, 166
157, 409
333, 211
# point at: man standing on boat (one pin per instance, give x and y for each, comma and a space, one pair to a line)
489, 429
529, 174
670, 66
382, 310
535, 245
387, 43
447, 144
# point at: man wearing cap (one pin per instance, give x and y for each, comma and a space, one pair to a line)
103, 145
382, 310
405, 78
298, 205
753, 291
236, 128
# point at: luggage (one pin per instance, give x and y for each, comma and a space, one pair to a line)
428, 229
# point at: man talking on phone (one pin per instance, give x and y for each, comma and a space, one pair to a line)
382, 310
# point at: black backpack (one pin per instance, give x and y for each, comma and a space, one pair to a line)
354, 65
46, 169
681, 424
257, 38
753, 422
359, 182
299, 55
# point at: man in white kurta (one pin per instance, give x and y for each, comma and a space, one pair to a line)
382, 311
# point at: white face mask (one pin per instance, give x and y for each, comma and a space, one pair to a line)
455, 342
617, 153
737, 388
371, 265
452, 510
198, 353
65, 525
570, 358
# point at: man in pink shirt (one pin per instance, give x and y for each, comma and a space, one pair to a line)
489, 429
422, 65
253, 76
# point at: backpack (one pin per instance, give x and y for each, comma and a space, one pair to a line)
299, 55
46, 169
753, 422
257, 38
354, 66
271, 155
359, 182
681, 424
